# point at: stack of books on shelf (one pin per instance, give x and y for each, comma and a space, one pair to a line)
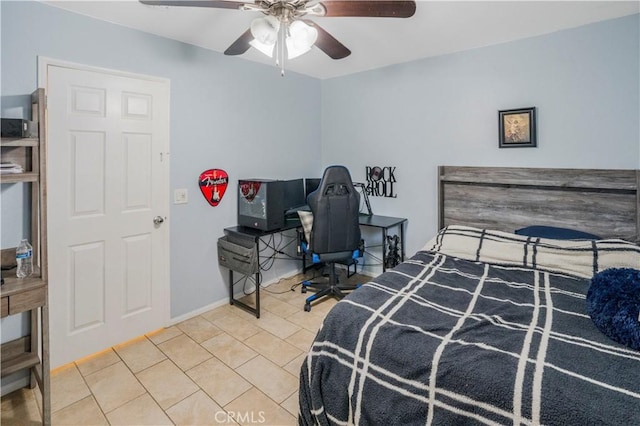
7, 168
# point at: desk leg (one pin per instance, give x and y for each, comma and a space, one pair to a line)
238, 303
384, 249
402, 240
258, 295
257, 312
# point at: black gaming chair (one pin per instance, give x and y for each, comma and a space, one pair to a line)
335, 233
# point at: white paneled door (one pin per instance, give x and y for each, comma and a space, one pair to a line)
108, 200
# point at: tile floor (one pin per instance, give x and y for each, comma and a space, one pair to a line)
224, 366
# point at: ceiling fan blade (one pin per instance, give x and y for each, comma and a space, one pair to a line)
241, 45
328, 43
220, 4
370, 8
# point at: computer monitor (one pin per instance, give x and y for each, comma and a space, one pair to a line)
310, 185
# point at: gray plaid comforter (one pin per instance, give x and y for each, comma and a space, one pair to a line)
442, 340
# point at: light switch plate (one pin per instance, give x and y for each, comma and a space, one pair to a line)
180, 196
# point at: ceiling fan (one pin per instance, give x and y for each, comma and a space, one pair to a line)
285, 33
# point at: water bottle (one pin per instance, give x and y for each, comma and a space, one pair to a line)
24, 259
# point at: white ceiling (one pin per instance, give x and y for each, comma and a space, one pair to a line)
437, 28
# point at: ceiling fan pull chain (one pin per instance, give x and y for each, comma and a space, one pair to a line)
282, 46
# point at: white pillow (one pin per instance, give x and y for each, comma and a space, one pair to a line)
306, 219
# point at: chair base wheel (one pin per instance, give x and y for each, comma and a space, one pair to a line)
303, 289
307, 307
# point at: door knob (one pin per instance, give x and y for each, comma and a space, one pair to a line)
158, 220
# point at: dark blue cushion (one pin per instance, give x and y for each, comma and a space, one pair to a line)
555, 233
613, 303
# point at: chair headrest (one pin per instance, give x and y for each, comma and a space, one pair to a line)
336, 180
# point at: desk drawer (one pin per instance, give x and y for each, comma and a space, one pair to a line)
5, 306
26, 300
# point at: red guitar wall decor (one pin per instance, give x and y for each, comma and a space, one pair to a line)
213, 184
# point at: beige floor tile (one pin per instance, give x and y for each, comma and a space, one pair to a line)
275, 325
20, 408
254, 407
114, 386
96, 362
67, 387
284, 284
293, 367
83, 412
198, 409
166, 383
161, 336
250, 300
309, 320
292, 404
274, 381
294, 298
275, 305
274, 349
184, 352
219, 381
229, 350
219, 312
301, 339
140, 411
245, 315
139, 354
323, 305
199, 329
237, 327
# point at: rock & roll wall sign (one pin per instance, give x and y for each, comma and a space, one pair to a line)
380, 181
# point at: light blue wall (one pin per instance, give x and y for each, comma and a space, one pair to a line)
226, 113
444, 111
243, 117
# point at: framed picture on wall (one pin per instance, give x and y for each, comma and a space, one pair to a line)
517, 128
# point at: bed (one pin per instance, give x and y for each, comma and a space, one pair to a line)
484, 326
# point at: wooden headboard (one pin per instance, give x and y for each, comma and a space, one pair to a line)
602, 202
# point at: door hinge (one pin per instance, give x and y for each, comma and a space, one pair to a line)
163, 155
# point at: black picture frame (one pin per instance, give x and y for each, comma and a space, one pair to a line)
517, 128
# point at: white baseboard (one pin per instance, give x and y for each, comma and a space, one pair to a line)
225, 301
195, 313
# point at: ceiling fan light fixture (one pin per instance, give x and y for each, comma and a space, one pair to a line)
267, 49
301, 38
265, 30
294, 51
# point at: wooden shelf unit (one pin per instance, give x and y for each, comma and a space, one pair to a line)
20, 295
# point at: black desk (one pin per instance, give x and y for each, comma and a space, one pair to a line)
384, 223
256, 234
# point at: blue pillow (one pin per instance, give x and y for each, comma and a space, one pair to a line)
555, 233
613, 303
